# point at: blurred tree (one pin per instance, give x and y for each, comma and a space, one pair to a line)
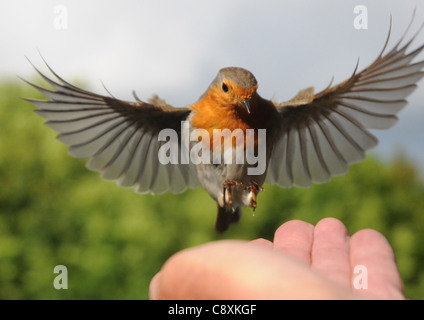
55, 212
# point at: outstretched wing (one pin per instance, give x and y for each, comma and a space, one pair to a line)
119, 137
321, 134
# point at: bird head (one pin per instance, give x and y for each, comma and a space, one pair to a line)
234, 87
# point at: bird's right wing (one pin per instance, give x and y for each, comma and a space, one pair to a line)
120, 138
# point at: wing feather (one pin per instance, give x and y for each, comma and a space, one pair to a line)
321, 134
119, 137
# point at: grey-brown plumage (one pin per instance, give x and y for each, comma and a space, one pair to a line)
310, 138
241, 77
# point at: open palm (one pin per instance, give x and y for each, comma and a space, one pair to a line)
302, 262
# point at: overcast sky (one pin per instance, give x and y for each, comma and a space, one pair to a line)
175, 48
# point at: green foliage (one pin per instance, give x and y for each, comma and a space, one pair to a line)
53, 211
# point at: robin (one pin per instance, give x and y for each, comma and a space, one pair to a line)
308, 139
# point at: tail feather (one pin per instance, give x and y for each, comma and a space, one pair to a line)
225, 217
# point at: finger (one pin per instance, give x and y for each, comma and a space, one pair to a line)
237, 270
153, 287
373, 263
295, 238
262, 242
330, 250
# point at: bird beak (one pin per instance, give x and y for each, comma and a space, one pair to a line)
246, 104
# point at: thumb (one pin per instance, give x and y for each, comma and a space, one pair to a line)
239, 270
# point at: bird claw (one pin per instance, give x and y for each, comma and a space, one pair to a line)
227, 190
254, 189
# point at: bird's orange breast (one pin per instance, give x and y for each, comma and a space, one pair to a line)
216, 111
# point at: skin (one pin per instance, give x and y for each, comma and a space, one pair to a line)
302, 262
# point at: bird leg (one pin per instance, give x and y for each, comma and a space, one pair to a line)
254, 189
227, 190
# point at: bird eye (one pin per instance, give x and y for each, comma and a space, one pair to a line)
224, 87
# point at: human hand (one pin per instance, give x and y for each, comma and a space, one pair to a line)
302, 262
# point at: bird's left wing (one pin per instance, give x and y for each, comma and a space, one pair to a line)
321, 134
119, 137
